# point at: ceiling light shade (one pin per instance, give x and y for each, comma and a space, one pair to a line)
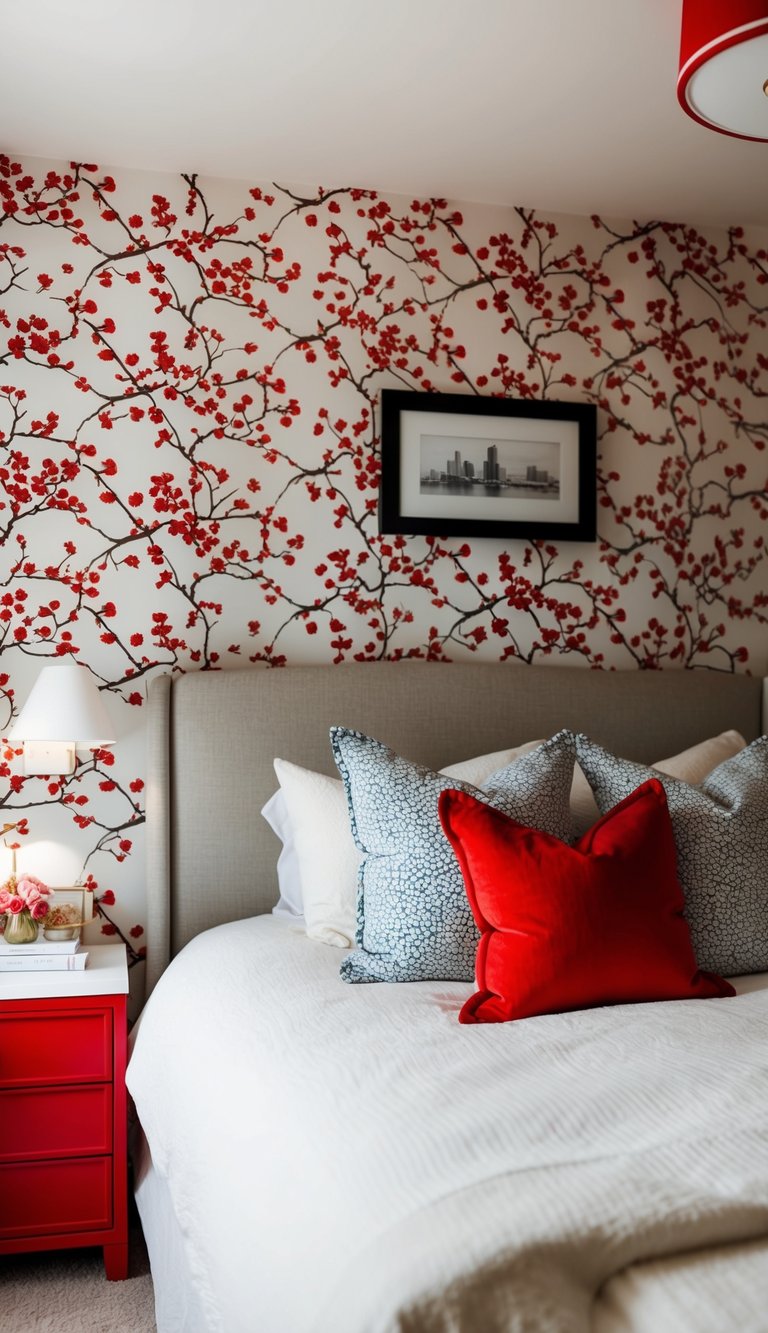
64, 711
724, 66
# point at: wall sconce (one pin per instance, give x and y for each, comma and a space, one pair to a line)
63, 713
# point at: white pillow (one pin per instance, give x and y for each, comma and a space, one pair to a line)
317, 869
276, 814
692, 766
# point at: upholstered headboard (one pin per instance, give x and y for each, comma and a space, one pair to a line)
213, 736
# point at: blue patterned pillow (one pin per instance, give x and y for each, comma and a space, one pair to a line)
413, 918
721, 835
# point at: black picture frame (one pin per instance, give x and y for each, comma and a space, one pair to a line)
555, 500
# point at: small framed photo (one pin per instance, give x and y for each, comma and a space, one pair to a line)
453, 465
70, 909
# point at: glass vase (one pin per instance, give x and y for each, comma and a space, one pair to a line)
20, 928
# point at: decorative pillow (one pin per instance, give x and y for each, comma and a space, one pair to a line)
574, 927
318, 865
721, 833
690, 765
413, 921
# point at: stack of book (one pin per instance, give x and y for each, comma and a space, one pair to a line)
43, 956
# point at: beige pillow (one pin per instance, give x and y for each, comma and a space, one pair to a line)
691, 766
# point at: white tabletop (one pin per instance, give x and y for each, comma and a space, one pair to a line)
105, 973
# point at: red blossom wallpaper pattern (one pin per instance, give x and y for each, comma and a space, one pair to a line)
189, 452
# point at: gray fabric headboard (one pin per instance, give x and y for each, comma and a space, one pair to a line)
213, 736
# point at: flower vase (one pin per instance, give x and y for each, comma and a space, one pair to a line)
20, 928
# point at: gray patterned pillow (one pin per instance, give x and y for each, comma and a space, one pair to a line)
413, 918
721, 835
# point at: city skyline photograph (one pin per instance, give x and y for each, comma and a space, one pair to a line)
495, 468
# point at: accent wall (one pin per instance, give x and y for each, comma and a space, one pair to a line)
189, 450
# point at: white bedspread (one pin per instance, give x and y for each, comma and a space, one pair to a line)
351, 1159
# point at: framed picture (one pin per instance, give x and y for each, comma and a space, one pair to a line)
458, 466
70, 909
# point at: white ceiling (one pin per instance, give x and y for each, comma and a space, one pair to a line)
560, 105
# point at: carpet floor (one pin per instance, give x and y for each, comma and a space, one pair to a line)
65, 1291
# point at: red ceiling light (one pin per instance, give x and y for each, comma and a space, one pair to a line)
723, 80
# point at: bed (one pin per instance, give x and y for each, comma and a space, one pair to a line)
317, 1156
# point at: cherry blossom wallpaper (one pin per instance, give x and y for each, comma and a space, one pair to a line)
189, 450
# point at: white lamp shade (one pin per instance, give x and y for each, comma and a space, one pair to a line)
64, 705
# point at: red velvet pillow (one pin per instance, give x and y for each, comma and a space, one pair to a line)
574, 927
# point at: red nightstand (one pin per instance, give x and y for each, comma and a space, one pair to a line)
63, 1153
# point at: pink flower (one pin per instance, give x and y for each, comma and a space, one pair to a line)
5, 899
16, 904
31, 889
39, 909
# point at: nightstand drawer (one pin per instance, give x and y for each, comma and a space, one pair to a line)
55, 1047
41, 1198
37, 1123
